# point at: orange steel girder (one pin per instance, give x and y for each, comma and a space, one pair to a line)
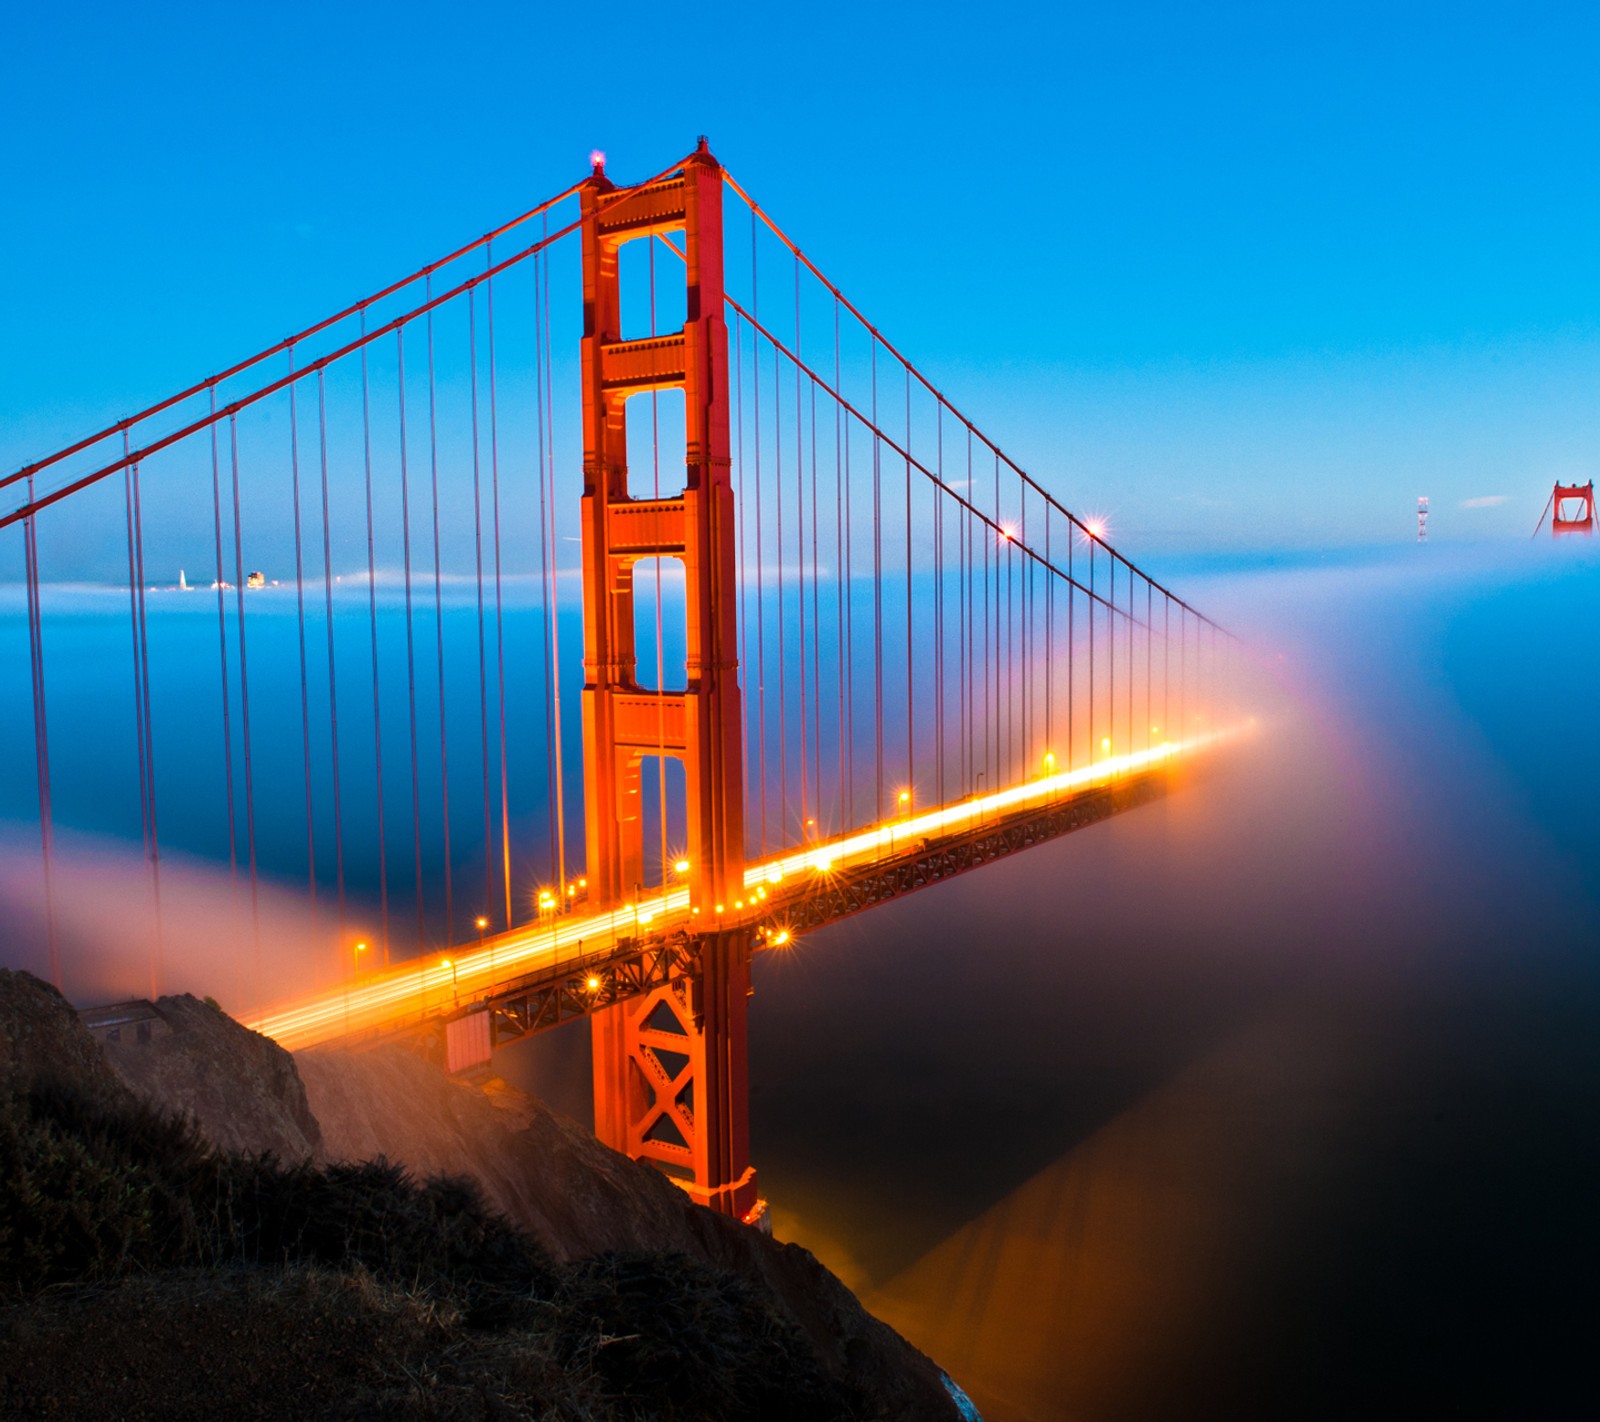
692, 1120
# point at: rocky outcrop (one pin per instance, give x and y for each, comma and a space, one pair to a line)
240, 1088
543, 1172
581, 1199
42, 1045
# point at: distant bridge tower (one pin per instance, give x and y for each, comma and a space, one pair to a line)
1422, 518
669, 1067
1572, 509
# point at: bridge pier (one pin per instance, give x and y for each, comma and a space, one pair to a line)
670, 1078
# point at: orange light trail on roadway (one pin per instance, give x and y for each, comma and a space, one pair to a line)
438, 982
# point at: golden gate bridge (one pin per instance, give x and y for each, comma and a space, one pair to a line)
850, 650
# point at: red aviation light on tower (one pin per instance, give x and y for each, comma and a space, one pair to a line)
1572, 509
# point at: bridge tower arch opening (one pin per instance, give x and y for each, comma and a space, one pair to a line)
1572, 509
669, 1067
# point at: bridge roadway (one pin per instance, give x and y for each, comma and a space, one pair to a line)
568, 964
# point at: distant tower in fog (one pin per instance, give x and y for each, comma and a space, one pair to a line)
1422, 519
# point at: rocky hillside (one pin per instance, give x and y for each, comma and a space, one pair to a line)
555, 1278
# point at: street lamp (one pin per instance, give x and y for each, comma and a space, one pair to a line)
455, 981
355, 959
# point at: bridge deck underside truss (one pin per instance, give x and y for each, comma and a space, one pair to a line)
650, 964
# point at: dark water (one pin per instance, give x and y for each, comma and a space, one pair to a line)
1277, 1099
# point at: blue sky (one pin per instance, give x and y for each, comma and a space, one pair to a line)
1251, 278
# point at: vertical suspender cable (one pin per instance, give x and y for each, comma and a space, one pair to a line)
1072, 648
333, 693
1111, 653
877, 586
244, 707
1049, 643
816, 628
1133, 646
938, 609
555, 622
483, 647
499, 607
41, 739
783, 656
149, 739
372, 619
1093, 744
661, 663
964, 687
744, 548
842, 608
546, 589
300, 626
800, 556
222, 664
761, 593
911, 690
849, 819
438, 627
411, 657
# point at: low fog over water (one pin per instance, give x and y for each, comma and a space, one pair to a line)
1276, 1098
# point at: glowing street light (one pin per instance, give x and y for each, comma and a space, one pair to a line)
681, 867
1049, 762
1105, 744
355, 959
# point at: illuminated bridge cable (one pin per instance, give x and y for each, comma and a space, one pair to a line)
555, 624
271, 388
477, 559
300, 627
546, 584
877, 592
849, 603
760, 214
761, 594
222, 657
661, 672
411, 658
744, 547
783, 656
333, 681
299, 338
147, 734
438, 626
372, 616
244, 711
938, 613
499, 621
800, 556
816, 626
41, 740
911, 695
839, 581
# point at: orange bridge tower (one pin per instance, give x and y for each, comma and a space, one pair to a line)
1572, 509
669, 1067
